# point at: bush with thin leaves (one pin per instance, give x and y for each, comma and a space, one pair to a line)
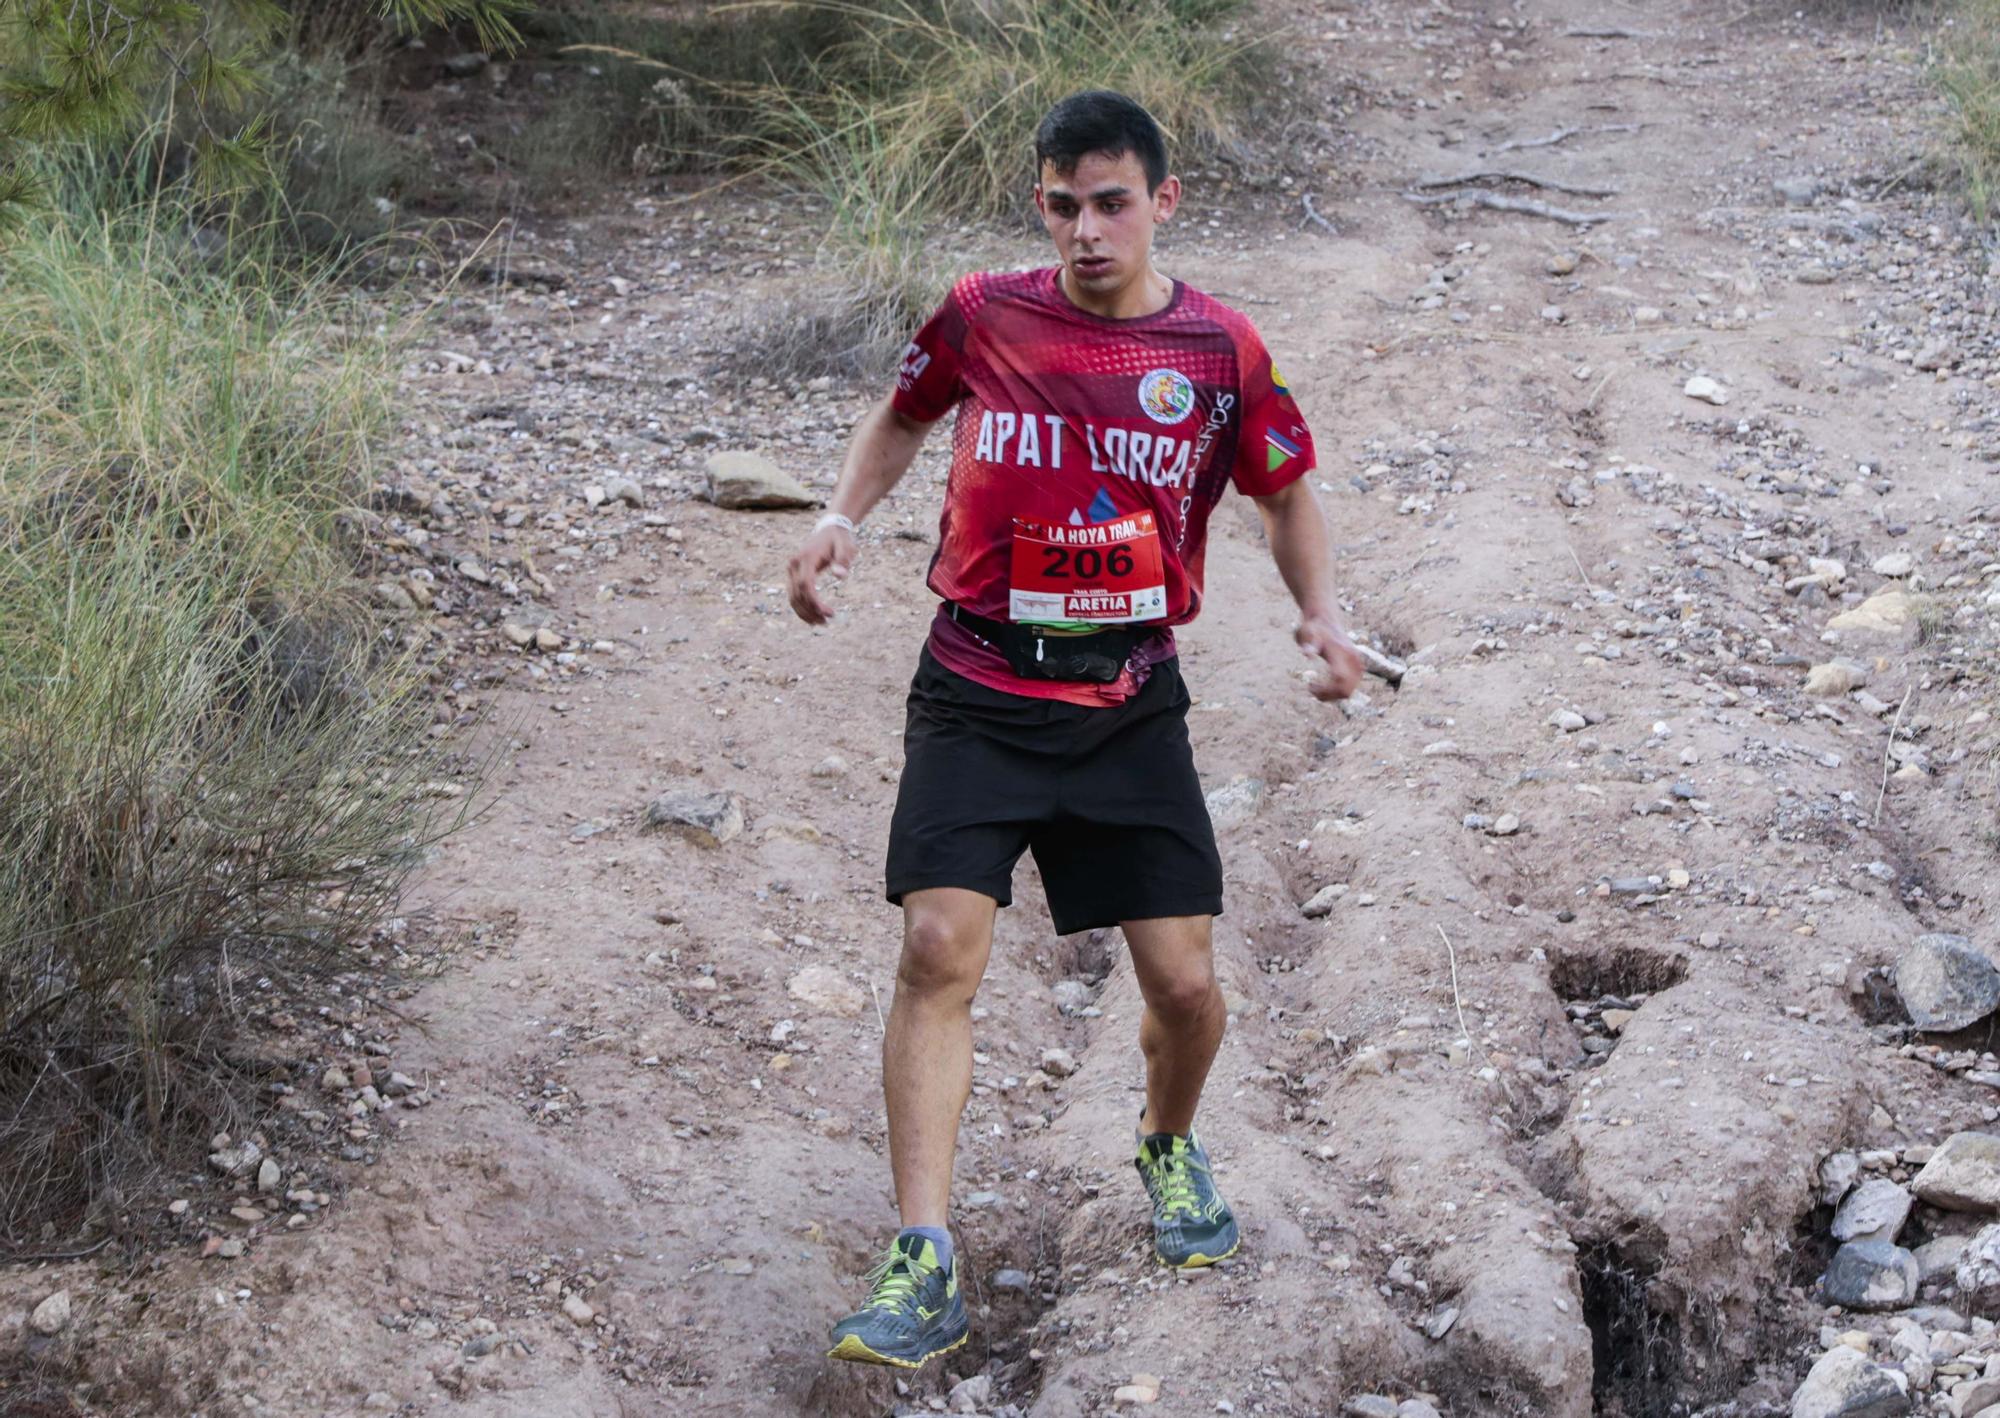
212, 764
1966, 62
115, 73
905, 114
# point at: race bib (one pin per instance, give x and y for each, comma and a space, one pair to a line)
1106, 574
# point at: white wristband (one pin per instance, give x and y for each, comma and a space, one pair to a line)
835, 519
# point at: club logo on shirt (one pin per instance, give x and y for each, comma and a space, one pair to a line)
915, 362
1166, 396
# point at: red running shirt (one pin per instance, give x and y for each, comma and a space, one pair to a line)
1075, 420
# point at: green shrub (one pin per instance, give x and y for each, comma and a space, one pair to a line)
1967, 68
211, 761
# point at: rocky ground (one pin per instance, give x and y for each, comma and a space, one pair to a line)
1569, 1047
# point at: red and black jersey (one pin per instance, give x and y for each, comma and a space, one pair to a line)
1069, 420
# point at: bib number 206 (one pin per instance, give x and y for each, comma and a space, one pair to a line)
1107, 573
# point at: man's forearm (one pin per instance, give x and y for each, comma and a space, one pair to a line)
1296, 530
883, 448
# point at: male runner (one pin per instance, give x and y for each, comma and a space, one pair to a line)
1101, 411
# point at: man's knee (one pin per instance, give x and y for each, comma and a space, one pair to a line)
941, 956
1183, 995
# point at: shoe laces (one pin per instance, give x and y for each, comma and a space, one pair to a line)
896, 1280
1179, 1175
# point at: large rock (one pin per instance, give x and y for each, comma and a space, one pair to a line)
51, 1317
1843, 1384
823, 988
1878, 1207
1891, 613
1978, 1273
1235, 803
1962, 1175
1871, 1275
708, 818
1946, 982
752, 482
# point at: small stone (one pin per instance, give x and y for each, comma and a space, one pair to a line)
1017, 1281
547, 640
1235, 803
624, 490
335, 1079
1797, 191
736, 1265
517, 633
1977, 1274
832, 766
824, 988
1834, 678
1931, 358
464, 66
971, 1395
1844, 1384
1553, 314
1563, 263
1439, 1324
1569, 721
1705, 389
1870, 1275
1144, 1388
1072, 996
578, 1309
1369, 1405
708, 818
1946, 983
1506, 825
1058, 1063
1876, 1208
390, 596
1322, 901
742, 481
235, 1161
474, 572
1648, 315
52, 1315
1893, 564
1813, 274
1415, 1408
1615, 1020
268, 1175
1938, 1259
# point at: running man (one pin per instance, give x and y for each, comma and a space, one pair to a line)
1102, 409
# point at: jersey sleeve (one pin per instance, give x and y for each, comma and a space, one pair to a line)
930, 379
1276, 447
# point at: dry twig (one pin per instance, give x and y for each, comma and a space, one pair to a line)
1564, 134
1547, 184
1883, 791
1313, 216
1498, 202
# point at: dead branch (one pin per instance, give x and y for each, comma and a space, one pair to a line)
1547, 184
1314, 216
1564, 134
1498, 202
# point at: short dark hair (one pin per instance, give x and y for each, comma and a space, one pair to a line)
1100, 121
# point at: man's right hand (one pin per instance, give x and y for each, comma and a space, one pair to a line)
827, 549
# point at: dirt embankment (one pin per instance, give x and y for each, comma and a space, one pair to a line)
1529, 1118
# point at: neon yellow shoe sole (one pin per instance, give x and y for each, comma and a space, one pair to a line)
856, 1351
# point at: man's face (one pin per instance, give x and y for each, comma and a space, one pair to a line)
1102, 218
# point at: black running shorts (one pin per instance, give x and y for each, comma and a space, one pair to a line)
1106, 798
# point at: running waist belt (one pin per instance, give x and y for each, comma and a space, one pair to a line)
1039, 652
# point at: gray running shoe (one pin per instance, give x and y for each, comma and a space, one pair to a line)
1192, 1224
914, 1311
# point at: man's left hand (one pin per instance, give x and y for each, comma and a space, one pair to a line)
1341, 676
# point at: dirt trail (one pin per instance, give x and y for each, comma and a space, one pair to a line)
1452, 1187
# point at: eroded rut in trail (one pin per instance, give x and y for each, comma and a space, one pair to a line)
1528, 1118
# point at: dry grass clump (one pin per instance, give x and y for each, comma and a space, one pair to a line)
210, 759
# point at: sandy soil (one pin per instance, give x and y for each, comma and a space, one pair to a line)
652, 1064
